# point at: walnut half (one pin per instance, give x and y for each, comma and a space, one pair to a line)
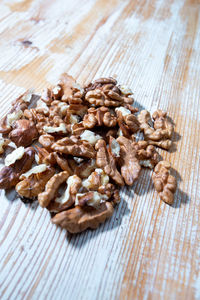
78, 219
164, 183
161, 133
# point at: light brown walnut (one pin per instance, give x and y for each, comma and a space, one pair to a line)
47, 96
75, 147
30, 187
77, 109
146, 154
128, 123
72, 92
67, 198
46, 140
31, 114
78, 219
106, 161
99, 117
104, 92
161, 133
83, 169
44, 156
62, 163
77, 129
51, 188
111, 192
164, 183
130, 167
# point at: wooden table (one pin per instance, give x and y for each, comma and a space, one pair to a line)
147, 250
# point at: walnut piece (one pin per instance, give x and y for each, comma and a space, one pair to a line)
51, 188
99, 117
75, 147
67, 199
84, 169
130, 167
90, 137
72, 91
164, 183
106, 161
162, 132
46, 140
16, 112
24, 133
93, 199
9, 175
146, 154
127, 121
14, 155
95, 180
79, 218
34, 182
58, 130
3, 144
104, 92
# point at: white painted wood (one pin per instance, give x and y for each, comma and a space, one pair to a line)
147, 250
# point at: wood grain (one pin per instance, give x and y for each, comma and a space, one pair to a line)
147, 250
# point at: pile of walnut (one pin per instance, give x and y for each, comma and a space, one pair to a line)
77, 147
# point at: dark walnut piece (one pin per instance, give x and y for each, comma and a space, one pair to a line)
24, 133
9, 176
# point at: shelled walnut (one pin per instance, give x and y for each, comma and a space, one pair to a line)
85, 149
105, 92
164, 183
161, 133
78, 219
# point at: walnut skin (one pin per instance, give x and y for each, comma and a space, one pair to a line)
51, 188
162, 132
32, 186
130, 167
9, 176
78, 219
24, 133
164, 183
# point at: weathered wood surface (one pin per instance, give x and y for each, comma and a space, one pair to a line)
147, 250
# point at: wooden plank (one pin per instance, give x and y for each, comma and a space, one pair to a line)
147, 250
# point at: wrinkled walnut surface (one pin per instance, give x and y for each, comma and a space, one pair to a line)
79, 219
164, 183
161, 133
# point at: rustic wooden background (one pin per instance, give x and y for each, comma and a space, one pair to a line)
147, 250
